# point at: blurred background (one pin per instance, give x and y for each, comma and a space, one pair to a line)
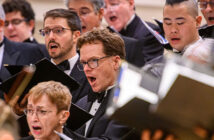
146, 9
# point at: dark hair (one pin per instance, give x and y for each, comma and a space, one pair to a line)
191, 5
113, 44
20, 6
173, 2
71, 16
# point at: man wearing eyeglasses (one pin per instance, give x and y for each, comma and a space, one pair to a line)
101, 53
20, 20
207, 9
20, 23
61, 29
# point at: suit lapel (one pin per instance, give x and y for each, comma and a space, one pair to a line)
10, 56
76, 73
100, 112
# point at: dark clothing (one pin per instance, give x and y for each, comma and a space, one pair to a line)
18, 54
134, 50
100, 127
206, 31
84, 88
41, 46
151, 47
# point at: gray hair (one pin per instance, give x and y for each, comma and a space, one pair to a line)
97, 4
2, 14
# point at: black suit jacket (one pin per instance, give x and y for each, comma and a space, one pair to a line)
134, 50
40, 46
18, 54
100, 127
84, 88
151, 47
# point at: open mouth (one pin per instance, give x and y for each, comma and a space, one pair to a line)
83, 27
37, 130
12, 36
113, 18
211, 18
175, 39
92, 79
53, 45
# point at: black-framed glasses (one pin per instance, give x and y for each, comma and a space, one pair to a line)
56, 30
204, 4
39, 112
14, 22
92, 63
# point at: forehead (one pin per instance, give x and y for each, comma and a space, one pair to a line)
14, 14
175, 11
80, 4
55, 21
43, 101
92, 49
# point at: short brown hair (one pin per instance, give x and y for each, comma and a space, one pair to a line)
57, 93
113, 44
72, 18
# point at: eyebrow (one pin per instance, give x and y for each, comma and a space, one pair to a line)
179, 18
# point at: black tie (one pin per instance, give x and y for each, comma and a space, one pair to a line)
64, 65
123, 32
93, 96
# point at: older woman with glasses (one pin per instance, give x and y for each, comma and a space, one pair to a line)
47, 110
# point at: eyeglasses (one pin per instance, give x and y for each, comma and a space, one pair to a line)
39, 112
57, 30
14, 22
93, 63
203, 4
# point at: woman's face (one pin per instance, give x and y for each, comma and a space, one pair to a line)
42, 118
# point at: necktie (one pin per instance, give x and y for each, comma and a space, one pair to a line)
93, 96
64, 65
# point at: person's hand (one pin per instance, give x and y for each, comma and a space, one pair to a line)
18, 108
157, 135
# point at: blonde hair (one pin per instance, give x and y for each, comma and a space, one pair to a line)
56, 92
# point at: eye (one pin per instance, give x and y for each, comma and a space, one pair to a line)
58, 30
30, 111
167, 22
42, 112
180, 23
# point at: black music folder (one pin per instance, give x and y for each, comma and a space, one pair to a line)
46, 71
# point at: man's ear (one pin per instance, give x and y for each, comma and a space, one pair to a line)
31, 24
117, 61
101, 14
63, 117
75, 35
198, 21
131, 3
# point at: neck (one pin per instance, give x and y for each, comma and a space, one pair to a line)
65, 57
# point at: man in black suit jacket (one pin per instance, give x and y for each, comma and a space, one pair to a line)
122, 17
13, 53
134, 49
61, 29
20, 22
100, 55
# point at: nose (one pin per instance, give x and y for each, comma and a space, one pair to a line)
86, 68
208, 8
51, 35
34, 117
174, 28
10, 26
